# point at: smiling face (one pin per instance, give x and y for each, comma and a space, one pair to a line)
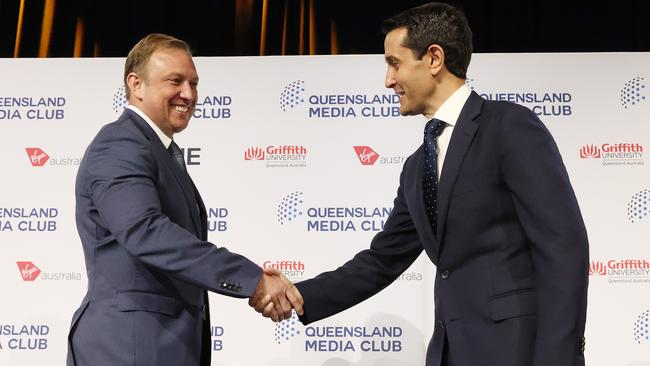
166, 89
412, 79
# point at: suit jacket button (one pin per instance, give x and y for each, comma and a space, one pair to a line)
444, 274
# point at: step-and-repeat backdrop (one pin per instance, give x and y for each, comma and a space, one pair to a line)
298, 161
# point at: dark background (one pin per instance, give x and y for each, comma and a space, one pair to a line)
293, 27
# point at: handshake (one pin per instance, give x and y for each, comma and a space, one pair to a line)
275, 296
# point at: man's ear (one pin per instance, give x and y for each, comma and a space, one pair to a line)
135, 83
435, 56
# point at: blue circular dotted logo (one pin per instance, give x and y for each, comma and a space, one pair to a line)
470, 82
642, 328
637, 208
119, 100
291, 96
290, 207
631, 94
287, 329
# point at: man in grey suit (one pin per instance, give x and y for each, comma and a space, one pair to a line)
143, 229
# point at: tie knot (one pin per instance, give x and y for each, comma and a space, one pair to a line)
177, 154
434, 127
174, 149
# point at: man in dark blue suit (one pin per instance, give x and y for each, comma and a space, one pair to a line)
488, 198
143, 228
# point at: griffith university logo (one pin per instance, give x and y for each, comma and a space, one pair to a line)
119, 100
632, 93
254, 153
28, 271
642, 328
280, 156
637, 208
590, 151
37, 157
621, 270
287, 329
294, 270
597, 268
621, 153
292, 95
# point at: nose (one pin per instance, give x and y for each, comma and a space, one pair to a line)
390, 79
188, 91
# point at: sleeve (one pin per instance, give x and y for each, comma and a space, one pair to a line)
391, 252
121, 180
548, 211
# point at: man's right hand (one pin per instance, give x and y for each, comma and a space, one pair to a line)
275, 296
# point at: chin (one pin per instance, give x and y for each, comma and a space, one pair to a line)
179, 128
406, 112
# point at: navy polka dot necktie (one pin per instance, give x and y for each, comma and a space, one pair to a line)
177, 154
432, 130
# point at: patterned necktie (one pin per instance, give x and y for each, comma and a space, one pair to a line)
177, 154
432, 130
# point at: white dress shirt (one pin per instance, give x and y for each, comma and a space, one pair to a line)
448, 113
166, 140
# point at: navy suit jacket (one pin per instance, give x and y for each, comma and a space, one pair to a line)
511, 252
143, 229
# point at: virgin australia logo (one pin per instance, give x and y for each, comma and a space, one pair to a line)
37, 157
366, 155
631, 94
28, 271
292, 95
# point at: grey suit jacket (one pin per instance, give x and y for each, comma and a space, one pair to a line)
511, 251
143, 229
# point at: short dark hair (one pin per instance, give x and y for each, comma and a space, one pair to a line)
436, 23
141, 53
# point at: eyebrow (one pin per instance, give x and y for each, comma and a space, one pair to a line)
179, 75
390, 59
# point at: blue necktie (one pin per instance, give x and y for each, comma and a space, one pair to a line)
177, 154
432, 130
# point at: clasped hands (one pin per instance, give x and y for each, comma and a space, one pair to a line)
275, 296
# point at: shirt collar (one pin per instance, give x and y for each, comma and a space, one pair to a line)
450, 110
166, 141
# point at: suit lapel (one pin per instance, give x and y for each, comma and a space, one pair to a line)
162, 155
203, 215
460, 142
